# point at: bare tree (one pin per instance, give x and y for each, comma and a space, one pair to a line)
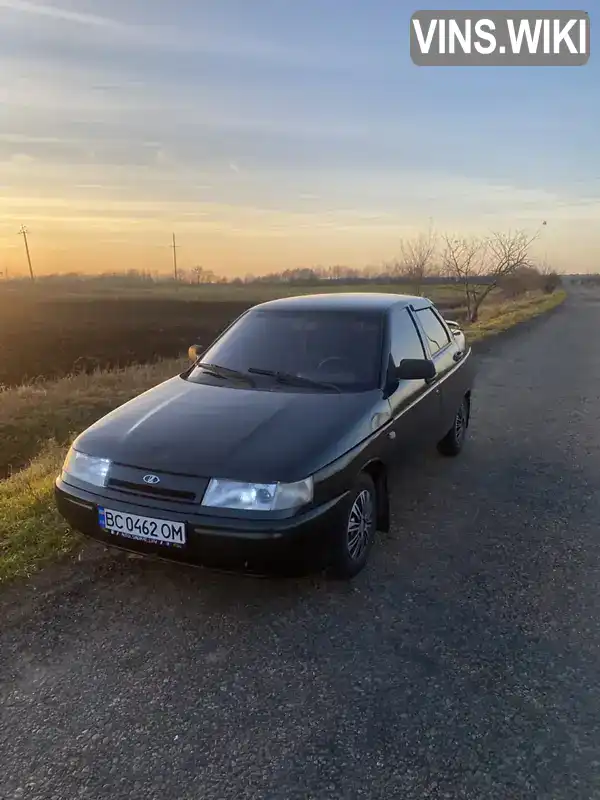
521, 281
416, 258
482, 264
464, 259
508, 253
550, 280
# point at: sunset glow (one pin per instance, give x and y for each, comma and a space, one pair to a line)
274, 135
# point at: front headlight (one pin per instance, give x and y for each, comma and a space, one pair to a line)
89, 469
257, 496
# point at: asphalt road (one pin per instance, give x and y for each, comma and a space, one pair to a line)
464, 663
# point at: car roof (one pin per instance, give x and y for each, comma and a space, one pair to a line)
344, 301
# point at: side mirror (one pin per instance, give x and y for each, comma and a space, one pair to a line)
195, 351
455, 328
414, 369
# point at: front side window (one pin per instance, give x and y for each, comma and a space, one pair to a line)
404, 338
434, 330
339, 347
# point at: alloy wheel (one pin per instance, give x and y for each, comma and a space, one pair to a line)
360, 525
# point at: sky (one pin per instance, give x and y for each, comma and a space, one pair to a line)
273, 134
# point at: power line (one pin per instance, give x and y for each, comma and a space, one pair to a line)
23, 232
174, 247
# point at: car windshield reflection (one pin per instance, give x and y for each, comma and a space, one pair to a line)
341, 348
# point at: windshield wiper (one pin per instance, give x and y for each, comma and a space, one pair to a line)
217, 371
291, 379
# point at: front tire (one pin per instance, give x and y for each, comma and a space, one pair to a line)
453, 441
354, 536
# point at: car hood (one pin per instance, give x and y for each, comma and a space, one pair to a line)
218, 431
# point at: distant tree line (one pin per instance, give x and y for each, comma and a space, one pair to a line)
593, 278
476, 265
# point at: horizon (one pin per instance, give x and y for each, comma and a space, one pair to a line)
276, 136
368, 274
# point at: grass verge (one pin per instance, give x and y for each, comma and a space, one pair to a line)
35, 413
31, 530
507, 315
37, 422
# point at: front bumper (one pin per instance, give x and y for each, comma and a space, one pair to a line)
300, 543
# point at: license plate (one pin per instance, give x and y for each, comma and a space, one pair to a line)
148, 529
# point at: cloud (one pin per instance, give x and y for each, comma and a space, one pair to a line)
89, 205
22, 159
23, 138
199, 33
57, 96
202, 38
54, 12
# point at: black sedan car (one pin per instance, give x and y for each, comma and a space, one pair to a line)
272, 450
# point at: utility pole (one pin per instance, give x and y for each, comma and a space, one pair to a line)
174, 246
23, 233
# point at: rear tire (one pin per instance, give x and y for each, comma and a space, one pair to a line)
453, 442
353, 539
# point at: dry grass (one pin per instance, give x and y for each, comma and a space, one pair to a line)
37, 422
30, 415
503, 316
31, 530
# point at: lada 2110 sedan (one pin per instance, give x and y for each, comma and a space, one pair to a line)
272, 450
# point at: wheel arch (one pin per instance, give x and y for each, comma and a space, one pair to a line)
378, 473
468, 399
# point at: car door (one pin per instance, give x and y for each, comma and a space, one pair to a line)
446, 355
415, 404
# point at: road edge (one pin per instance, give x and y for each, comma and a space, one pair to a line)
487, 343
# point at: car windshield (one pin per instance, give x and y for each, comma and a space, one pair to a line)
342, 348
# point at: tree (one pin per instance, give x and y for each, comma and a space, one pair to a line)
482, 264
464, 259
522, 280
202, 275
416, 256
550, 280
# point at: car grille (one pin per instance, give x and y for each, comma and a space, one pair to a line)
171, 488
151, 491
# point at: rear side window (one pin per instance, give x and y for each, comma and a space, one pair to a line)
434, 330
405, 341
